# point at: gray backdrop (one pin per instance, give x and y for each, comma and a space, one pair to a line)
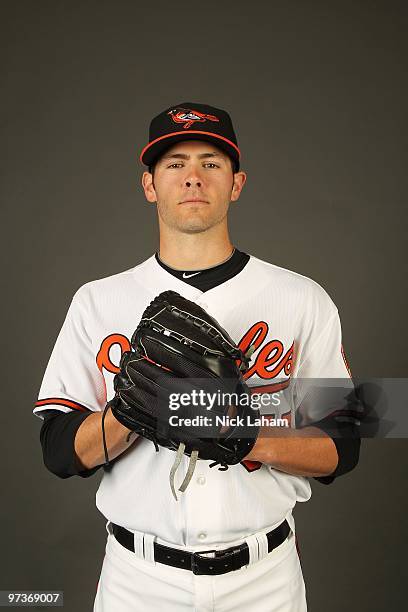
318, 94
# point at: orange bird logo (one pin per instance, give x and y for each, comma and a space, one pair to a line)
189, 116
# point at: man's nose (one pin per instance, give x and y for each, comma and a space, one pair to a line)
193, 177
193, 182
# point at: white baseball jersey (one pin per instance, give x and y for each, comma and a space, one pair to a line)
295, 329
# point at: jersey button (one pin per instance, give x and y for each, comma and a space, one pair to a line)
201, 480
202, 536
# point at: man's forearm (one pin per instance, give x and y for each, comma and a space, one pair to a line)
302, 452
88, 440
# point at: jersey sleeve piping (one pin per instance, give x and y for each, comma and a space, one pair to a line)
60, 401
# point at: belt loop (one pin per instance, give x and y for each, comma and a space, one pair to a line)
148, 541
291, 522
252, 543
138, 544
108, 527
262, 545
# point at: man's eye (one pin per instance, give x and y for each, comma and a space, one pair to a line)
180, 165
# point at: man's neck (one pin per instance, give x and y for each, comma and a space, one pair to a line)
194, 251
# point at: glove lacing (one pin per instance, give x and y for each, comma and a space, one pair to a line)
190, 470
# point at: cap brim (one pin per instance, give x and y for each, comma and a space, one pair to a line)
154, 149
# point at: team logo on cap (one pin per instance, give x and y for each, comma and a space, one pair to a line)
189, 116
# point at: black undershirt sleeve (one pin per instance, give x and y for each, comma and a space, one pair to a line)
347, 440
57, 438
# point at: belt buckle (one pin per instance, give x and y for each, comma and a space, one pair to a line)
200, 569
213, 566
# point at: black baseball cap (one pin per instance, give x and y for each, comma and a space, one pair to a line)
190, 121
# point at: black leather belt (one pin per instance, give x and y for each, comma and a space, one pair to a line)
224, 561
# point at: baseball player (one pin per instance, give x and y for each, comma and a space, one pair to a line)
228, 541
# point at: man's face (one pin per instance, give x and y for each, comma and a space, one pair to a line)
193, 186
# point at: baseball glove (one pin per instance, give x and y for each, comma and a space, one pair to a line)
181, 354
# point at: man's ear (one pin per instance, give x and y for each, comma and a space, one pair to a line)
148, 187
238, 184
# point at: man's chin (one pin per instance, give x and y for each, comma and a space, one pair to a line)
193, 228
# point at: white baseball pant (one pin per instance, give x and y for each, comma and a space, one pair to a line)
130, 583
